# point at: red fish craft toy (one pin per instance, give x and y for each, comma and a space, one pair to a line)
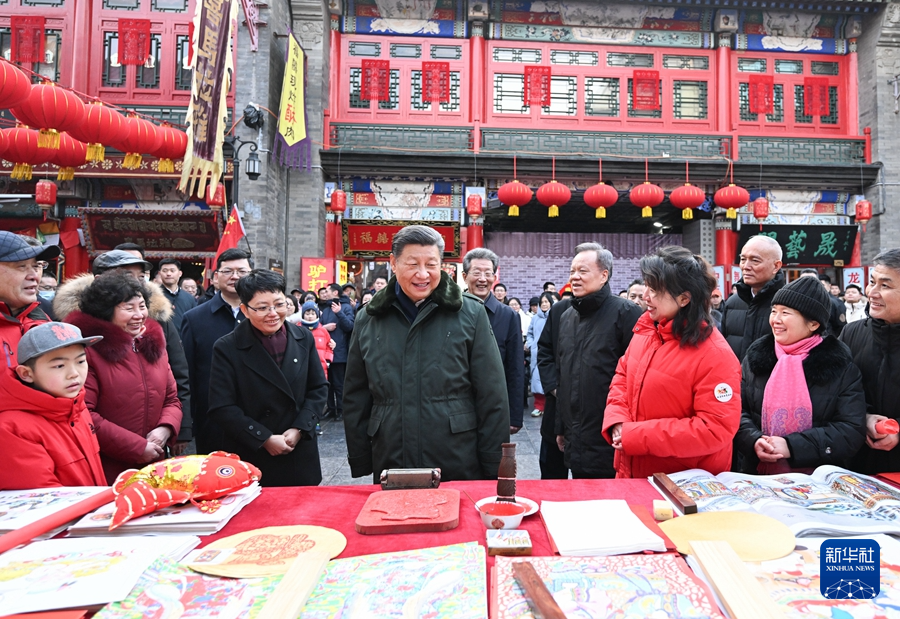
202, 480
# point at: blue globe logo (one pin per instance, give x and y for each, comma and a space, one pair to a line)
850, 590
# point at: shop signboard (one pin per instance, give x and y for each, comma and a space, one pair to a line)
856, 275
374, 237
162, 233
813, 245
316, 273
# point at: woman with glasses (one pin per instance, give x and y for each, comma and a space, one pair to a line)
267, 387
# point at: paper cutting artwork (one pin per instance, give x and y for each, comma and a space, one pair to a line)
170, 591
438, 583
623, 586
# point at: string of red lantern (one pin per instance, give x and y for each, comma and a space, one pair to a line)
687, 197
71, 154
646, 195
731, 197
553, 194
600, 196
514, 194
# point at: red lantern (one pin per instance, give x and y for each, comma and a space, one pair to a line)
14, 85
761, 208
23, 151
45, 194
553, 195
473, 206
71, 154
173, 143
101, 125
863, 212
2, 143
645, 196
215, 200
687, 197
600, 197
338, 201
514, 194
51, 109
143, 137
732, 198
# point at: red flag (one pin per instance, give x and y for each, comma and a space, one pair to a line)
27, 38
537, 86
134, 41
645, 90
815, 96
234, 232
376, 80
436, 82
762, 94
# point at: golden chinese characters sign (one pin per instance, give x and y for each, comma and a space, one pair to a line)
162, 233
375, 237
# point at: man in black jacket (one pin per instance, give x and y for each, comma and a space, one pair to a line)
745, 315
875, 345
551, 459
593, 335
338, 317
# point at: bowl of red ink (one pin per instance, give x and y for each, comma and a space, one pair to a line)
501, 514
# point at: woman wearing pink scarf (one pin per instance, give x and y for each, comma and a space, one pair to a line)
802, 398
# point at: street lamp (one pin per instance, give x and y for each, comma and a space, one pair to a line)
252, 164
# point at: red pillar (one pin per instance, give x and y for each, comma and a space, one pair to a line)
852, 99
474, 236
329, 240
723, 88
337, 230
77, 260
856, 256
726, 247
477, 47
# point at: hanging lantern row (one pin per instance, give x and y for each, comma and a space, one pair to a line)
50, 109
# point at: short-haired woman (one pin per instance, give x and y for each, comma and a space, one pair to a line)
267, 387
803, 399
675, 401
130, 390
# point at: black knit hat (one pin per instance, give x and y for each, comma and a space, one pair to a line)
807, 296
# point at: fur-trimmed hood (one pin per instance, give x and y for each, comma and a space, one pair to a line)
824, 365
68, 299
447, 295
117, 343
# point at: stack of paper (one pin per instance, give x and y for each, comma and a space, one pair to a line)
23, 507
80, 573
597, 528
175, 520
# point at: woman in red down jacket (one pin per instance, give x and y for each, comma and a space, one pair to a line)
675, 401
130, 390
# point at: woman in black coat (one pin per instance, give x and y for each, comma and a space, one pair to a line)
835, 430
267, 387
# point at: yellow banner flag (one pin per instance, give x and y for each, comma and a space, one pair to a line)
292, 116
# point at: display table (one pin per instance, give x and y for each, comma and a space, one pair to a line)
337, 507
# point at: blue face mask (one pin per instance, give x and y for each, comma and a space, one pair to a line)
47, 295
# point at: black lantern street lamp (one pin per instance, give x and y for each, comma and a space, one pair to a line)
252, 165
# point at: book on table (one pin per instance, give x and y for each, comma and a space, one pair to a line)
830, 501
19, 508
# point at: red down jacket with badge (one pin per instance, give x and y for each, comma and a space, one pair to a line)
679, 406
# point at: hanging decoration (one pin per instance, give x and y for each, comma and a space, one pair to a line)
687, 197
292, 147
23, 151
863, 213
473, 206
731, 197
71, 154
815, 96
514, 194
338, 201
51, 109
761, 93
14, 85
600, 196
143, 138
212, 71
435, 82
134, 41
45, 194
173, 143
646, 195
760, 208
375, 84
645, 90
101, 125
537, 86
27, 40
215, 198
553, 194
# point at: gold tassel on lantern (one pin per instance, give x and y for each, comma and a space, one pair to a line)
600, 213
132, 161
96, 152
48, 138
166, 166
646, 212
687, 213
65, 174
554, 211
513, 210
731, 213
21, 172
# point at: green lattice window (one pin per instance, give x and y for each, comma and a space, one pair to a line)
689, 100
169, 6
416, 102
601, 96
633, 113
800, 107
752, 65
697, 63
794, 67
778, 104
368, 50
446, 52
590, 59
358, 103
113, 70
824, 68
508, 88
182, 66
147, 74
50, 67
563, 97
615, 59
403, 50
508, 54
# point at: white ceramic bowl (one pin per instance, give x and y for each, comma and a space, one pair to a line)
502, 515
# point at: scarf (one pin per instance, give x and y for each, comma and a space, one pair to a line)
786, 405
310, 325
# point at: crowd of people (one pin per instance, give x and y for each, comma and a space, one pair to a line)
110, 371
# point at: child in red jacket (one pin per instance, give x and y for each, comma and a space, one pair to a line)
309, 317
45, 428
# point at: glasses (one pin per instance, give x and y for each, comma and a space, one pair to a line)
477, 274
265, 309
230, 272
38, 267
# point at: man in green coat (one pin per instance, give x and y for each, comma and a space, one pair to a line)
425, 384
